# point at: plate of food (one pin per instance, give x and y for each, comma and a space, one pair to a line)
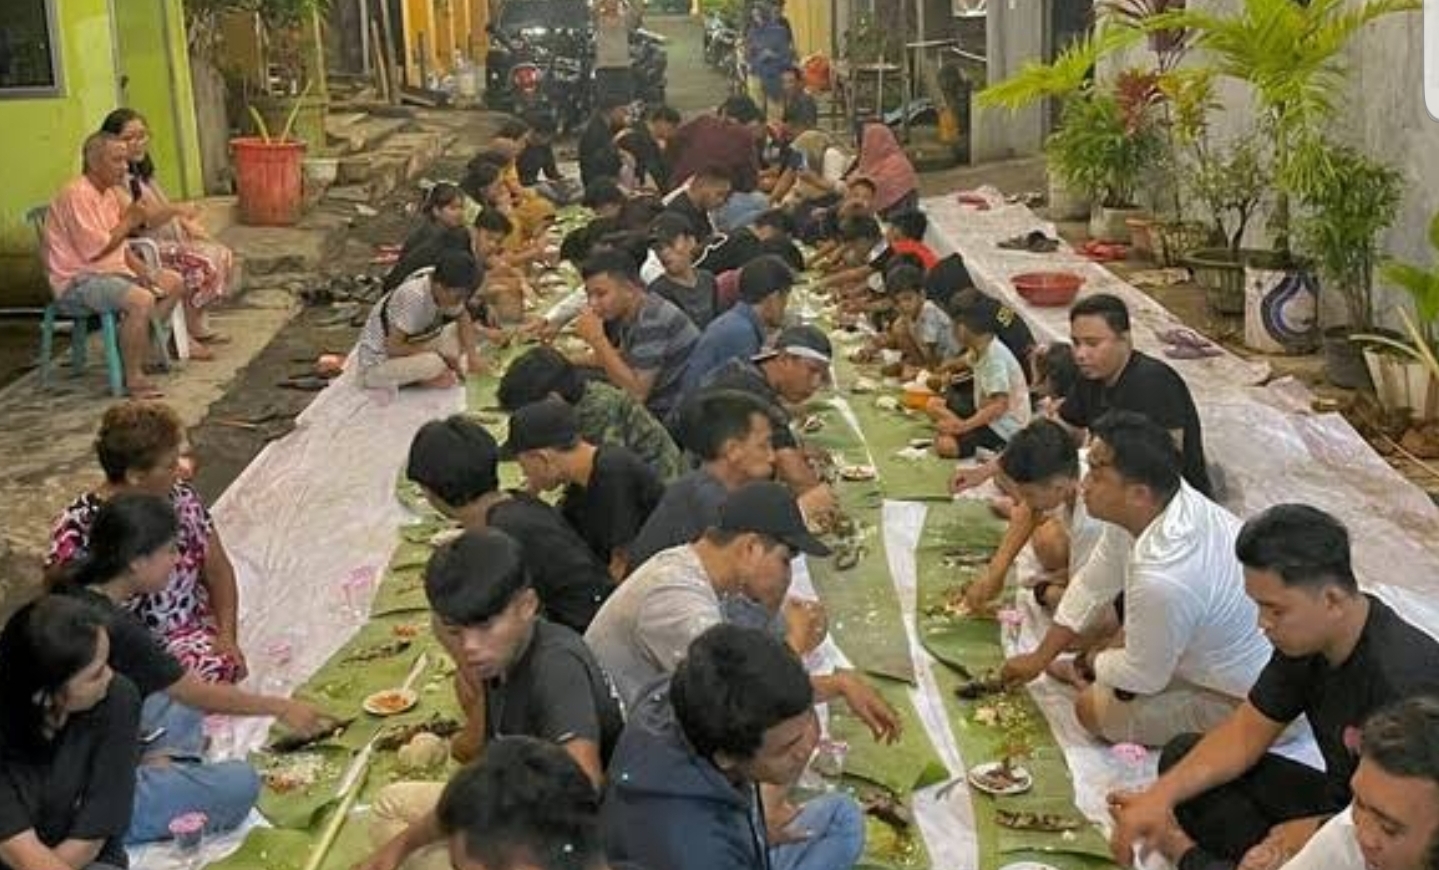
999, 778
390, 702
857, 472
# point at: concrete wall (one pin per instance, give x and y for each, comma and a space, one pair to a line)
153, 60
1016, 33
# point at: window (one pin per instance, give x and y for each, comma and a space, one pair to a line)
29, 61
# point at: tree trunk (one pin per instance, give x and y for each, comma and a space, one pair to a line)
213, 119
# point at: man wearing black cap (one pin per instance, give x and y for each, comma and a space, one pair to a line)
421, 332
739, 333
609, 492
643, 631
456, 462
789, 372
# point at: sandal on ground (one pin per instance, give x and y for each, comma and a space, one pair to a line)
211, 338
144, 392
304, 383
1185, 351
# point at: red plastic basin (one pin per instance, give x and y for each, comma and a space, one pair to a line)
1048, 289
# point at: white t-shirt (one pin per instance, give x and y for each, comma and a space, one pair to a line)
934, 327
1098, 552
996, 371
1335, 846
1185, 612
645, 627
411, 309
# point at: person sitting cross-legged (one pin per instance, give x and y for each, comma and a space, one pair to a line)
516, 674
740, 333
525, 805
1393, 821
90, 266
1191, 646
683, 786
1340, 655
1001, 390
609, 492
456, 462
421, 333
605, 414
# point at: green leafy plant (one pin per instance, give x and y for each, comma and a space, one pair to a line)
1349, 199
1421, 283
1069, 74
264, 129
1103, 148
1291, 56
1230, 180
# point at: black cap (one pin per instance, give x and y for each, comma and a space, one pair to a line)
808, 342
547, 424
769, 509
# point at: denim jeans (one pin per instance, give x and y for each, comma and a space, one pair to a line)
224, 791
836, 836
740, 210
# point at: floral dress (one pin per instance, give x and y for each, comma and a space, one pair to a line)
205, 265
179, 614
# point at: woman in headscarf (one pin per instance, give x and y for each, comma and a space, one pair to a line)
883, 161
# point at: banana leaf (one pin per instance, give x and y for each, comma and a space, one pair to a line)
889, 848
904, 767
280, 849
400, 592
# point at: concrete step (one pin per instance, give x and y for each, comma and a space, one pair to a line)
218, 213
268, 251
355, 134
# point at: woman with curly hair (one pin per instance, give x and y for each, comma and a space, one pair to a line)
195, 615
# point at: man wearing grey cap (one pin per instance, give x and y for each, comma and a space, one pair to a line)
785, 374
644, 628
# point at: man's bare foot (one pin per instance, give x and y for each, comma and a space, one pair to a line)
200, 352
442, 381
1063, 669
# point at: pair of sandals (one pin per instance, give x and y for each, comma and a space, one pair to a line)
1182, 342
1035, 242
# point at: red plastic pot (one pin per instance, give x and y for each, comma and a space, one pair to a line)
268, 181
1048, 289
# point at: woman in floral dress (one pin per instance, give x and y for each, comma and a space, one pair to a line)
185, 246
195, 616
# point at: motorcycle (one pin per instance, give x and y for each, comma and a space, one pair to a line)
542, 57
648, 64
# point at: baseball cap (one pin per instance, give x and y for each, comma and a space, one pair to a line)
768, 508
550, 423
806, 342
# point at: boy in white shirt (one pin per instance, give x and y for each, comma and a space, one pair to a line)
1001, 391
1191, 647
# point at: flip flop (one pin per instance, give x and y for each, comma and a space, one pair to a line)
146, 393
212, 338
304, 383
1184, 351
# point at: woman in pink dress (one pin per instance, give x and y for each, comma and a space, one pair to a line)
185, 246
140, 447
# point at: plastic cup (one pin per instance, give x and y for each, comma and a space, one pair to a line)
355, 592
1131, 761
188, 831
828, 761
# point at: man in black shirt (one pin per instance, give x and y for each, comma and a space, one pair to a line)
532, 677
599, 157
1339, 655
646, 142
1115, 376
609, 491
456, 462
801, 113
771, 232
706, 192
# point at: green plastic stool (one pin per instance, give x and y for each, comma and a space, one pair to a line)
79, 343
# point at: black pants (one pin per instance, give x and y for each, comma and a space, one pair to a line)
1228, 821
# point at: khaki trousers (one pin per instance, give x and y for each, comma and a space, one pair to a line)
400, 805
403, 370
1154, 720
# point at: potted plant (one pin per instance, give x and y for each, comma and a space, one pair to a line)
1348, 199
1230, 180
1406, 371
1103, 148
268, 173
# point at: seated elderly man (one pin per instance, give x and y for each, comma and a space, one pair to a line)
1191, 646
90, 267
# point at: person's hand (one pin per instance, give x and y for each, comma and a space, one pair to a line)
966, 478
870, 707
1139, 817
590, 328
302, 717
1283, 842
979, 594
951, 426
779, 815
1022, 669
818, 504
229, 647
806, 623
542, 329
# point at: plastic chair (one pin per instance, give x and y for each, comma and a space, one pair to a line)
80, 325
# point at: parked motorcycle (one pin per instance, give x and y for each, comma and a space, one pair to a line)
542, 57
649, 64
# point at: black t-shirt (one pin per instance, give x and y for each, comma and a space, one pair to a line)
1150, 387
737, 249
700, 302
746, 376
649, 157
134, 649
571, 582
610, 512
83, 787
699, 221
1014, 334
1392, 661
555, 691
690, 505
599, 158
537, 160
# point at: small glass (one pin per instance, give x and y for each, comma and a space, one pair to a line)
188, 831
355, 592
1011, 618
1131, 763
828, 761
279, 656
219, 736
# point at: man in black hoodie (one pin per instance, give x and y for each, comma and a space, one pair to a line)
684, 784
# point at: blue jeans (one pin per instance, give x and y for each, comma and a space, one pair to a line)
740, 210
224, 791
836, 836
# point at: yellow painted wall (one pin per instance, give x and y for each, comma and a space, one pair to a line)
812, 26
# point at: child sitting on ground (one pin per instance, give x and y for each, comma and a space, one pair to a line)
537, 158
1055, 374
921, 331
1001, 393
692, 290
860, 243
505, 288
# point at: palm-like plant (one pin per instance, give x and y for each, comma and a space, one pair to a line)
1069, 75
1290, 54
1421, 329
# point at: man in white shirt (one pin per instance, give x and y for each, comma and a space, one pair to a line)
1191, 647
1393, 823
1042, 468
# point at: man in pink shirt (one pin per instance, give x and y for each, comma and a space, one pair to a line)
91, 268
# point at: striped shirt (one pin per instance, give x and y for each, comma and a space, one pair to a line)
658, 341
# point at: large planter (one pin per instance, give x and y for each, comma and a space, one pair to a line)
1141, 236
1175, 240
1112, 224
1221, 273
1066, 203
1344, 364
309, 118
1402, 382
269, 181
1281, 310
